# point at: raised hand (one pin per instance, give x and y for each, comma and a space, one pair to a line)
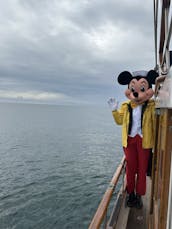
113, 104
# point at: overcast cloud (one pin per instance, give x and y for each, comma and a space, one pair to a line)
70, 52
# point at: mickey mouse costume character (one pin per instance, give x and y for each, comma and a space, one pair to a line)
137, 119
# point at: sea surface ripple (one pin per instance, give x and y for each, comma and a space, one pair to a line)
55, 164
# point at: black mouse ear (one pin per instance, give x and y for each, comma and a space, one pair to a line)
124, 78
151, 76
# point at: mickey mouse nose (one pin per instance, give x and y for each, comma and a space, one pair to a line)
135, 94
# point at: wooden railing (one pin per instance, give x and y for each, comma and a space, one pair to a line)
103, 206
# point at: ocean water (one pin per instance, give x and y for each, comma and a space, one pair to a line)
55, 164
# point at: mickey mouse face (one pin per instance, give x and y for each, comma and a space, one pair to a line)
139, 91
139, 85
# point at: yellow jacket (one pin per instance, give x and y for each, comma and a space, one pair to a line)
122, 117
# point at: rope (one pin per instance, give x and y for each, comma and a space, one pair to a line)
155, 30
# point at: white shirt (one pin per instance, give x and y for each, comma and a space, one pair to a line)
136, 122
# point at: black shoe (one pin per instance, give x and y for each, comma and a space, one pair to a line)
138, 202
130, 200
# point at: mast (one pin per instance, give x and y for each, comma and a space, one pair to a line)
161, 196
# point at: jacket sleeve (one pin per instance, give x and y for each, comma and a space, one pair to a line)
118, 115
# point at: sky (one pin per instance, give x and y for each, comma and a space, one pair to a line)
71, 51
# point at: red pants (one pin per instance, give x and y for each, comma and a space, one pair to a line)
137, 162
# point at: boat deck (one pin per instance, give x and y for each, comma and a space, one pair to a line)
132, 218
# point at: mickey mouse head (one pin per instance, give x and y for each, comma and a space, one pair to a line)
139, 85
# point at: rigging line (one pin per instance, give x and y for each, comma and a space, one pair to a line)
167, 41
155, 30
167, 38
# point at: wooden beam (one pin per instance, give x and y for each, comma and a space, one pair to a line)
166, 147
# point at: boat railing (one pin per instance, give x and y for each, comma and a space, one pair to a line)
100, 216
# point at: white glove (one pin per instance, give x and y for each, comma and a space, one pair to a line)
113, 104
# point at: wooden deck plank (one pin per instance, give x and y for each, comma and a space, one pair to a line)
138, 218
132, 218
123, 218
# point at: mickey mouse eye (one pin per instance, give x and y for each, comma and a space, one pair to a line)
142, 89
132, 89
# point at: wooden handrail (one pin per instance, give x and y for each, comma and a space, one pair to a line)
102, 209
